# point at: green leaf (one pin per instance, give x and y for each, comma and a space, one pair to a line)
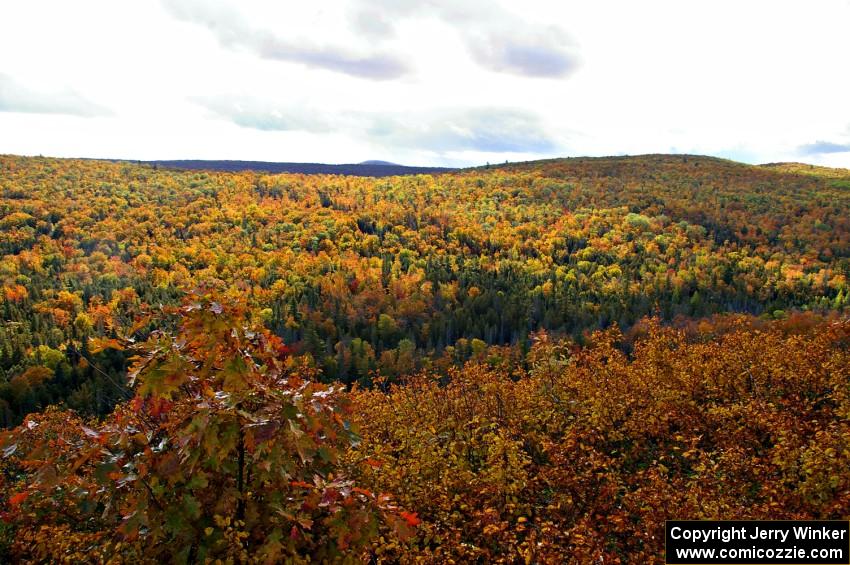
191, 506
198, 481
234, 372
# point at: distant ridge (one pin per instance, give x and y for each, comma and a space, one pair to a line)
364, 169
610, 165
807, 169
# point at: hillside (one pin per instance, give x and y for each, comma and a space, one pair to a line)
362, 275
474, 365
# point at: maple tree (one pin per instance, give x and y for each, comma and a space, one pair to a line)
222, 452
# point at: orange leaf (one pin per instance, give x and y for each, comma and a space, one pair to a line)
363, 491
98, 344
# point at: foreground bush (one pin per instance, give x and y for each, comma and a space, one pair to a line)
223, 453
583, 459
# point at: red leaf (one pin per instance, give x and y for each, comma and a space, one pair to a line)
18, 498
411, 518
159, 406
137, 403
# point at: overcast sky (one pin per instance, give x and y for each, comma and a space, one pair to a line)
425, 82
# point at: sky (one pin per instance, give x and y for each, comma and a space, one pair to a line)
425, 82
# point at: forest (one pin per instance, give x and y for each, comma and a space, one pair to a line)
526, 363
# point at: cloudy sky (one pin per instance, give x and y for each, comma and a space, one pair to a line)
426, 82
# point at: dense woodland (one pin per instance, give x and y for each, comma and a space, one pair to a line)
531, 363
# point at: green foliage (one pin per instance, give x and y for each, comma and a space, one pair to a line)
566, 246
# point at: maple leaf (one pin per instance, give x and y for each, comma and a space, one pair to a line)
98, 344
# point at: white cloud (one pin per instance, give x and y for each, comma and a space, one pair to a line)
496, 38
434, 82
440, 130
18, 97
232, 30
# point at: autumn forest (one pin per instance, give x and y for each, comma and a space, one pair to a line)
527, 363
